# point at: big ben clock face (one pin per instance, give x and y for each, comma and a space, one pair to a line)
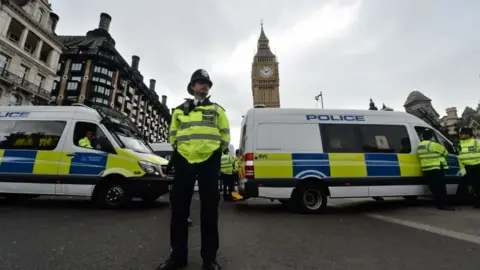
266, 72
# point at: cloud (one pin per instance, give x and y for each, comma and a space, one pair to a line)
352, 50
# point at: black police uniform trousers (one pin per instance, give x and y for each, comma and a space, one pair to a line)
206, 173
437, 185
227, 183
473, 179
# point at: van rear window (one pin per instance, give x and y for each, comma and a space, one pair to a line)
30, 135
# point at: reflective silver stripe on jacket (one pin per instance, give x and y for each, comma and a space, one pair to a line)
196, 124
185, 138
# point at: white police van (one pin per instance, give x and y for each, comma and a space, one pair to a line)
41, 153
301, 157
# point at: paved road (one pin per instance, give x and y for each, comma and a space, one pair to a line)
55, 234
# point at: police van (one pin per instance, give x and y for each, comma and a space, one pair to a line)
165, 150
302, 157
77, 151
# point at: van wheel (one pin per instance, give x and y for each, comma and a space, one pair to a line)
309, 198
113, 196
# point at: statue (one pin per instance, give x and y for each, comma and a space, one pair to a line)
372, 106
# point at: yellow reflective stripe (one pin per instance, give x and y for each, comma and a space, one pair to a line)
225, 130
185, 138
197, 124
173, 133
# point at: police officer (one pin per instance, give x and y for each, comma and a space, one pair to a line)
227, 166
87, 140
199, 133
470, 157
433, 161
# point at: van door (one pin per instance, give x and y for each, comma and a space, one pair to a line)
81, 164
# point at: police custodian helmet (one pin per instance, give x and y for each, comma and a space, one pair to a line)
427, 134
465, 130
199, 74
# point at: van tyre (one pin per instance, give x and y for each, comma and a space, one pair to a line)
113, 195
309, 197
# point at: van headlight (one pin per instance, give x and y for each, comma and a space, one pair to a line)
150, 168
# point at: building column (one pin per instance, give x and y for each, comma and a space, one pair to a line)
63, 82
38, 49
85, 83
23, 38
52, 56
8, 20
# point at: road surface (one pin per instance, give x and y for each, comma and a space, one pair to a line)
59, 234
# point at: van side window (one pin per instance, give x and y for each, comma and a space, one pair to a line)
385, 139
90, 136
31, 135
340, 138
287, 137
243, 138
437, 138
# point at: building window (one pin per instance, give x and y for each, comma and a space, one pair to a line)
76, 78
15, 100
103, 70
102, 80
54, 85
4, 61
59, 66
40, 80
24, 71
72, 86
77, 66
99, 100
40, 15
101, 90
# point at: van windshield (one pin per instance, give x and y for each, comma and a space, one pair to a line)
130, 140
133, 143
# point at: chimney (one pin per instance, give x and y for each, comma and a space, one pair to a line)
135, 62
105, 20
164, 100
152, 84
54, 17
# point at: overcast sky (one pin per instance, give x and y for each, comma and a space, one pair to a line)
351, 50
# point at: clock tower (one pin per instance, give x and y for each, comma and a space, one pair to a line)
265, 79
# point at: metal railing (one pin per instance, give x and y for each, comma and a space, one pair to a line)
24, 84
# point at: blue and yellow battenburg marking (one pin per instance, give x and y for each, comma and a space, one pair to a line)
288, 165
52, 162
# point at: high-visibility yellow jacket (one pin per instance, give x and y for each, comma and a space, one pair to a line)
470, 152
197, 132
227, 164
85, 142
432, 155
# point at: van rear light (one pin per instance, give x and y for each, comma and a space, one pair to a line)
249, 167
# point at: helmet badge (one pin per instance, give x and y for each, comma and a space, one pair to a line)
204, 73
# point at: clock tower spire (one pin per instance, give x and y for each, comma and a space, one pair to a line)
265, 77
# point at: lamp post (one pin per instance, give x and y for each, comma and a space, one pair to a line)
319, 97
